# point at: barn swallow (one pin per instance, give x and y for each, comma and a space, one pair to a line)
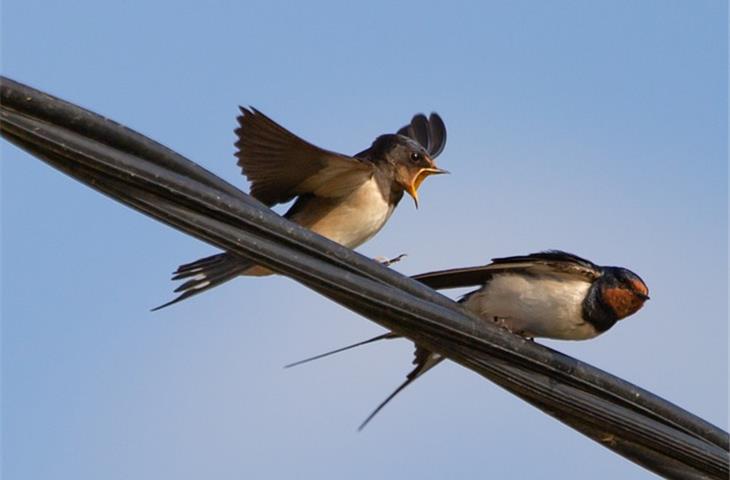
550, 294
347, 199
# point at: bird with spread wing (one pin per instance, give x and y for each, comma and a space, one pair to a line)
347, 199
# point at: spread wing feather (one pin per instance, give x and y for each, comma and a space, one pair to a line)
429, 132
280, 165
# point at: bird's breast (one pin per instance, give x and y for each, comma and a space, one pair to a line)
534, 306
350, 220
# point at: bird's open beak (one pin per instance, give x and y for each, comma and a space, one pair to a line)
418, 179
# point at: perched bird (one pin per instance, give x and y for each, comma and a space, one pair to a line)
345, 198
551, 294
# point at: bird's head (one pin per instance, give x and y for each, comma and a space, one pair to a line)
410, 162
623, 291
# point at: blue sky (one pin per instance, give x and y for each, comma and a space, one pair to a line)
595, 127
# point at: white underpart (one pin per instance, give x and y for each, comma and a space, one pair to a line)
534, 306
350, 221
356, 219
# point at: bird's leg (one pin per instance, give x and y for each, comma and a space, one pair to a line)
502, 323
388, 262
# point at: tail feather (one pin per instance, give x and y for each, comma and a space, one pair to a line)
424, 361
190, 269
342, 349
205, 274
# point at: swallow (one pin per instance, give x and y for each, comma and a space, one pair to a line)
550, 294
347, 199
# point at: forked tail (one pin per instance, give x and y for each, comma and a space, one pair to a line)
205, 274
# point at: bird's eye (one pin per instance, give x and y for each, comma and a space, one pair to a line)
415, 157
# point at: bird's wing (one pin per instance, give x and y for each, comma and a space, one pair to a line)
424, 360
280, 165
553, 262
429, 132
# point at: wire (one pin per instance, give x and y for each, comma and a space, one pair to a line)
147, 176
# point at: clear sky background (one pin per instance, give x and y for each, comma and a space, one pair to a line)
595, 127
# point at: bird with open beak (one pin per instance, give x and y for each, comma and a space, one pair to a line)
347, 199
550, 294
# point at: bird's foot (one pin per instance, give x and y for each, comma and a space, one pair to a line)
503, 323
387, 262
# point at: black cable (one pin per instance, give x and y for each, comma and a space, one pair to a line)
151, 178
